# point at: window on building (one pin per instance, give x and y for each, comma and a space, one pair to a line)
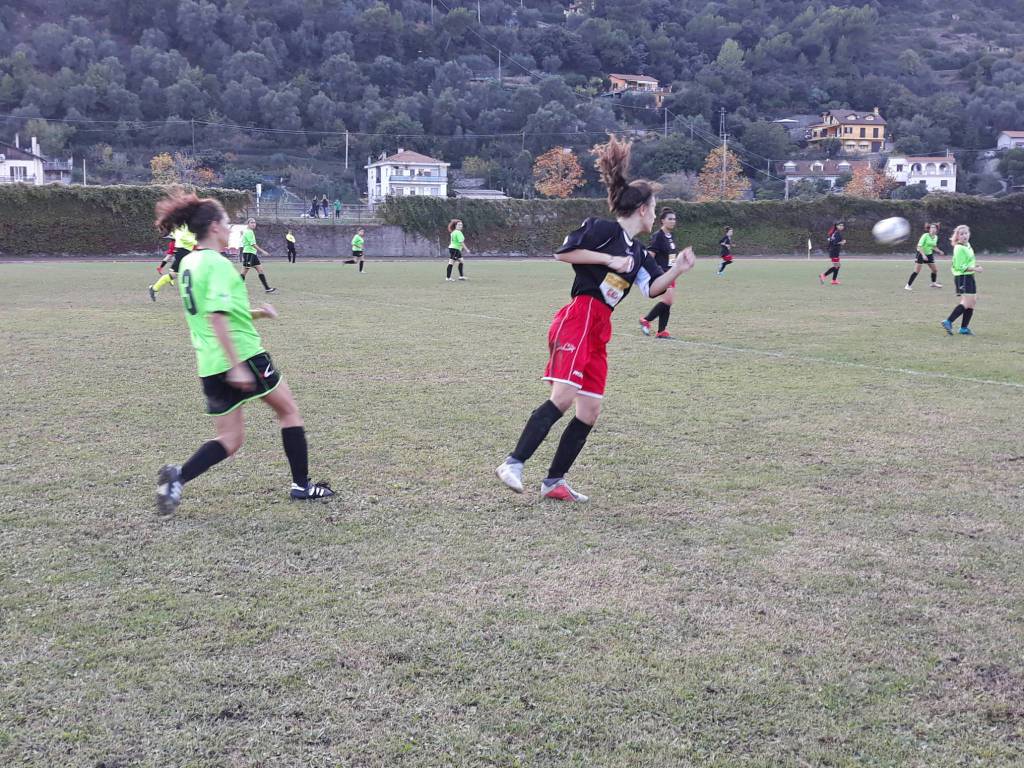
943, 183
874, 133
19, 172
863, 133
899, 167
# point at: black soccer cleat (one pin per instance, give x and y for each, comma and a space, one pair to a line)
168, 489
152, 293
312, 491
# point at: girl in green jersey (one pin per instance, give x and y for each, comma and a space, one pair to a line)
456, 248
234, 368
964, 270
926, 250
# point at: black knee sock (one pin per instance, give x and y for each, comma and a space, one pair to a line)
968, 314
935, 276
957, 311
360, 265
913, 277
242, 275
536, 429
263, 279
724, 265
835, 273
460, 269
209, 453
449, 274
294, 439
569, 447
654, 313
663, 318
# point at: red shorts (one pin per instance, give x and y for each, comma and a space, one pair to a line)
578, 340
727, 257
835, 259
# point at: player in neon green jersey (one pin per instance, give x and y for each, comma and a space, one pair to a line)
250, 255
357, 249
184, 242
964, 270
926, 250
456, 248
233, 365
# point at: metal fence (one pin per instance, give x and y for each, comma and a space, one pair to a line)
273, 210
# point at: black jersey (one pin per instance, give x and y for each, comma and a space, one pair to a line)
834, 243
600, 282
664, 248
726, 244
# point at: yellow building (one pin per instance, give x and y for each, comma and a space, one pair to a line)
621, 84
858, 132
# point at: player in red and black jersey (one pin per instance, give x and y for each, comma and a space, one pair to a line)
663, 249
726, 245
836, 241
607, 262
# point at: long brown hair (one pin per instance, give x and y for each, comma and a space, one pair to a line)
452, 223
180, 207
624, 196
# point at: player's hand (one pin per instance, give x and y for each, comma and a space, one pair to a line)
621, 264
160, 268
685, 260
268, 311
979, 269
240, 377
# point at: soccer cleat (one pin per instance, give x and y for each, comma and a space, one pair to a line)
663, 335
948, 326
448, 280
560, 491
836, 282
821, 279
168, 489
511, 474
311, 491
966, 332
645, 326
907, 288
936, 285
463, 277
152, 293
271, 290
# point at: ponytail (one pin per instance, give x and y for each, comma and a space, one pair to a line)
197, 213
624, 196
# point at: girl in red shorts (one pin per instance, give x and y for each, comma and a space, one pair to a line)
607, 261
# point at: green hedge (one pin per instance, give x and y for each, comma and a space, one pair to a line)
535, 227
75, 220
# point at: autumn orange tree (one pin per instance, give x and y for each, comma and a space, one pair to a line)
709, 182
867, 182
557, 173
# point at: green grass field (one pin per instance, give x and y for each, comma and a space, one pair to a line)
803, 546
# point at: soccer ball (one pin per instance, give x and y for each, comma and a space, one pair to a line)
891, 230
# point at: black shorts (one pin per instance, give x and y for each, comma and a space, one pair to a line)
929, 259
455, 254
357, 254
965, 284
179, 254
251, 260
222, 398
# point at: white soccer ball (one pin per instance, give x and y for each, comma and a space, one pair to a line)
891, 230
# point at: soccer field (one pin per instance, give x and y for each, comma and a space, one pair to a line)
803, 546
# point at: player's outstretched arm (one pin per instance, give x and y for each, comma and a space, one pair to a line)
583, 256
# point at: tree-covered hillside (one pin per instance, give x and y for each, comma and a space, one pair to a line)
298, 74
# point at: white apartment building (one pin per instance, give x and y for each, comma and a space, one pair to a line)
406, 173
937, 174
29, 166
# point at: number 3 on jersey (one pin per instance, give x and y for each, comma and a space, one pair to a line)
186, 297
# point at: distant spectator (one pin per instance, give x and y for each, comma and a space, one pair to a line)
325, 204
314, 209
337, 208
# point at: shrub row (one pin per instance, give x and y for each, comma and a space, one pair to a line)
535, 227
76, 220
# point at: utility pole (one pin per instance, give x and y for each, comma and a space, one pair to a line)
499, 67
478, 11
725, 146
431, 12
666, 121
85, 180
193, 121
346, 150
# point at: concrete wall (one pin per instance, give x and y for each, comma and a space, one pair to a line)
327, 240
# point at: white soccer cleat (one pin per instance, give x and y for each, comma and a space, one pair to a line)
560, 491
907, 288
936, 285
511, 474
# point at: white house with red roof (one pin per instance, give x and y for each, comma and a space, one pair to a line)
30, 166
1010, 140
405, 173
934, 173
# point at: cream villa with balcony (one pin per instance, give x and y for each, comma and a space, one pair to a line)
936, 174
406, 173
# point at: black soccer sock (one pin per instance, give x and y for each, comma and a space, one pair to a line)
654, 313
536, 429
935, 276
263, 279
835, 273
968, 314
360, 265
569, 447
959, 310
209, 453
913, 277
460, 269
242, 275
724, 265
663, 318
449, 273
294, 439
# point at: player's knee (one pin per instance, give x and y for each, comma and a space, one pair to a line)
588, 409
232, 440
